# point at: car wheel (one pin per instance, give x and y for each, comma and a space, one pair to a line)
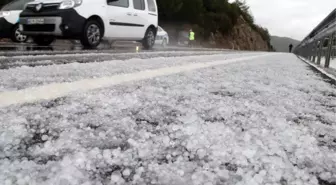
149, 39
92, 34
42, 40
164, 43
17, 36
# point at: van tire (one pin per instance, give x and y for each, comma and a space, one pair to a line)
92, 34
18, 37
43, 40
149, 39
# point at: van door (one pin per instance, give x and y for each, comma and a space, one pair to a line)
120, 15
152, 15
140, 18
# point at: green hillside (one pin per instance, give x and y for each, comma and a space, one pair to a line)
281, 44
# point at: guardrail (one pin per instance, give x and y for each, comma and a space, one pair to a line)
321, 42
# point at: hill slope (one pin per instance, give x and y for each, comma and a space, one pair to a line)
218, 23
281, 44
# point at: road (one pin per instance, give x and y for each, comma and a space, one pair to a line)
11, 49
166, 117
63, 54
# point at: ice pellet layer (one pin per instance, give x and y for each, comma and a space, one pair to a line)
264, 121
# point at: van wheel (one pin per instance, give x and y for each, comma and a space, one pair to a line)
149, 40
17, 36
43, 40
92, 34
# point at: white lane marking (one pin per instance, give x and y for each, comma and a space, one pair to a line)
56, 90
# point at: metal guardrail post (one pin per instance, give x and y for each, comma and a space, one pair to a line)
307, 51
311, 51
314, 52
329, 50
319, 51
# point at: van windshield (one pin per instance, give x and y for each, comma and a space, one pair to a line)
16, 5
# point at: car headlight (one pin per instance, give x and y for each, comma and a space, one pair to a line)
4, 14
70, 4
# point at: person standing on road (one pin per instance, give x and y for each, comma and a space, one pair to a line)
191, 38
290, 48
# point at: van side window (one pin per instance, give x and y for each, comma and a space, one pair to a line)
151, 5
139, 4
121, 3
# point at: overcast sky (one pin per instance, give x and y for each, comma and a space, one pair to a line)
290, 18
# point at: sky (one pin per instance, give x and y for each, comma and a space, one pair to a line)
290, 18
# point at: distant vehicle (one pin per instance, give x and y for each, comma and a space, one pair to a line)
90, 21
162, 37
183, 38
9, 21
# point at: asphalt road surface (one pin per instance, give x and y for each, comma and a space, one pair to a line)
16, 55
62, 47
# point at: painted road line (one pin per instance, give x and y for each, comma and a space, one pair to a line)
56, 90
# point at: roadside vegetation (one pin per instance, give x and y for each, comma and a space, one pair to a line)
3, 2
209, 16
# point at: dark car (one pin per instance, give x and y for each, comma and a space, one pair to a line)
9, 21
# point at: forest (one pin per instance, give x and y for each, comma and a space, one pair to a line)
208, 16
3, 2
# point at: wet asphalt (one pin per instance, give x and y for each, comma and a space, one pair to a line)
27, 54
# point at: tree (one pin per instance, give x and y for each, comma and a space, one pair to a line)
169, 8
220, 15
245, 11
4, 2
210, 16
192, 11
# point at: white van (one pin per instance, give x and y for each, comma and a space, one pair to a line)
90, 21
9, 20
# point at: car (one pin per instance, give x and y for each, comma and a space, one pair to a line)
9, 21
90, 21
183, 38
162, 37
